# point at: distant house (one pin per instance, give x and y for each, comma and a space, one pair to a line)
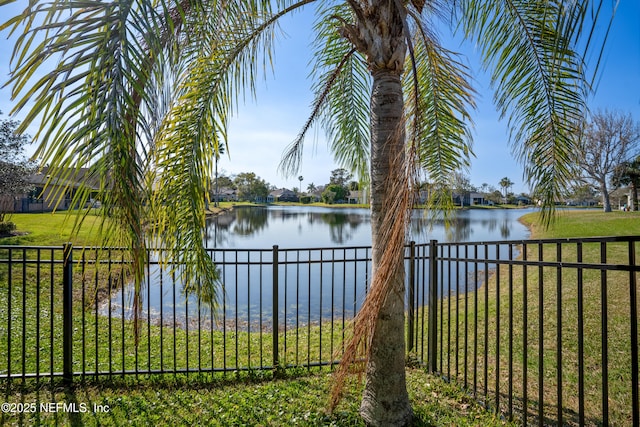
476, 198
271, 197
225, 195
46, 198
468, 199
357, 197
282, 195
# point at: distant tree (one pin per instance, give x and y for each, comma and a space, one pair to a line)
14, 168
311, 187
224, 181
334, 193
461, 185
250, 186
505, 184
604, 143
495, 196
338, 184
328, 196
340, 177
462, 182
354, 186
300, 178
486, 190
628, 173
221, 181
423, 191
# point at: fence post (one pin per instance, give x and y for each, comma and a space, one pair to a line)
433, 306
67, 313
412, 287
275, 327
633, 299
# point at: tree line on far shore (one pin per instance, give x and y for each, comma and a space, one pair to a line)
606, 170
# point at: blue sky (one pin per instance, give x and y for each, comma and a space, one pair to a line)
262, 128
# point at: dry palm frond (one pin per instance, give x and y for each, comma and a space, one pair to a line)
398, 203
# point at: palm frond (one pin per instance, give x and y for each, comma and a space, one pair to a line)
341, 102
539, 81
89, 101
217, 69
98, 59
439, 101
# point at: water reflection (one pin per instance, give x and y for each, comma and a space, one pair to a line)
262, 227
341, 226
250, 221
470, 225
303, 227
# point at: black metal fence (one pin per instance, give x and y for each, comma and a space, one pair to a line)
545, 331
68, 312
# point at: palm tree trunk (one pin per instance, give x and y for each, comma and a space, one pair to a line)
385, 400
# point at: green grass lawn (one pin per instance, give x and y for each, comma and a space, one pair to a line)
52, 229
300, 399
585, 223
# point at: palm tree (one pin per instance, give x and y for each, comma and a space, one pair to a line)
300, 178
311, 187
142, 92
506, 184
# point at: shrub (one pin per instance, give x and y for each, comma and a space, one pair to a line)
7, 227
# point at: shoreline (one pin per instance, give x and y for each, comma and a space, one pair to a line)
216, 211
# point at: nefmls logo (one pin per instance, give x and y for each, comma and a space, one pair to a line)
70, 407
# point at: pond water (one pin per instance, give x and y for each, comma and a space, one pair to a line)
304, 227
313, 284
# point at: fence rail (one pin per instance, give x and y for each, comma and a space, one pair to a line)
544, 331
